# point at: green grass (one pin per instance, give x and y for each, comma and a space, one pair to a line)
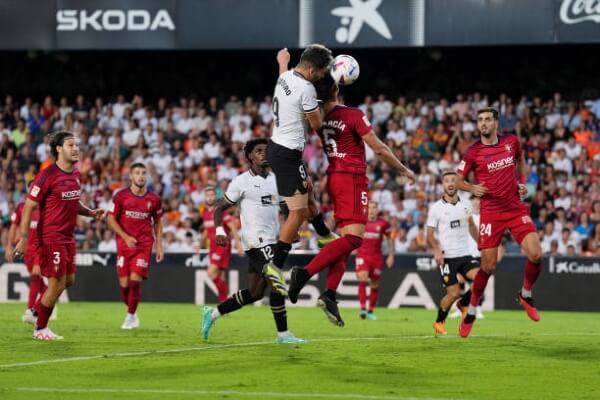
508, 357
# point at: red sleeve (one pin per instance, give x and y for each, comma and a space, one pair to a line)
518, 149
158, 210
387, 229
466, 165
40, 187
362, 126
115, 210
15, 218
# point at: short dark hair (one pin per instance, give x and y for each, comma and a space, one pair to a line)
448, 172
210, 188
492, 110
251, 144
58, 139
137, 165
325, 88
317, 56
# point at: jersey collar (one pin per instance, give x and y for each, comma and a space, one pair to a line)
444, 200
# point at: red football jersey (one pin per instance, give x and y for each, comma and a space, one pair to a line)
375, 231
208, 216
57, 192
136, 215
495, 167
15, 219
342, 132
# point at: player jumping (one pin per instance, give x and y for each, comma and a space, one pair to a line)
450, 217
499, 168
369, 260
56, 191
343, 133
136, 219
255, 191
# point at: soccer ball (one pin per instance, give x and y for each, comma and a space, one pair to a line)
344, 70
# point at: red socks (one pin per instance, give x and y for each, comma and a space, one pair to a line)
336, 273
362, 295
532, 271
222, 288
478, 287
36, 287
125, 294
43, 315
135, 294
373, 298
332, 252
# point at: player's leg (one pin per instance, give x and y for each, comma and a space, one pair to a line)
362, 275
533, 250
37, 288
489, 257
374, 278
123, 276
217, 276
452, 294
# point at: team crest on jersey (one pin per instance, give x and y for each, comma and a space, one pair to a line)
77, 180
35, 190
526, 219
508, 147
149, 205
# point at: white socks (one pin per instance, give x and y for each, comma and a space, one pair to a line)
215, 313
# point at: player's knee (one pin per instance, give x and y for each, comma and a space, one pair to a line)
70, 281
535, 256
362, 277
355, 241
453, 292
374, 283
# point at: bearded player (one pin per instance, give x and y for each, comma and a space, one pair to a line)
136, 219
56, 191
369, 260
344, 132
499, 169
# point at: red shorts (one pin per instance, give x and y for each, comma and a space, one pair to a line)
57, 259
220, 256
372, 265
493, 225
32, 258
348, 193
133, 261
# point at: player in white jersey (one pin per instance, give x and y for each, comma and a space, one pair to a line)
255, 192
295, 111
450, 217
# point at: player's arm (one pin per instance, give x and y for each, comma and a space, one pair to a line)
30, 205
315, 120
473, 229
13, 234
522, 176
221, 207
283, 60
476, 190
114, 226
97, 213
391, 251
235, 234
158, 233
435, 246
385, 154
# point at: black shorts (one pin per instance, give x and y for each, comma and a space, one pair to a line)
257, 258
458, 265
289, 169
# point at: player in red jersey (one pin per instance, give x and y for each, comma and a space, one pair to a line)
344, 132
136, 218
219, 256
56, 191
32, 259
499, 168
369, 260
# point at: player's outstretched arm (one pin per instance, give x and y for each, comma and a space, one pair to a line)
221, 207
158, 233
97, 213
283, 60
435, 246
385, 154
114, 226
30, 205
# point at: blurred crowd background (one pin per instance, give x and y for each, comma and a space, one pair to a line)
191, 142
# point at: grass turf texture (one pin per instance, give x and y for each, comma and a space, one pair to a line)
396, 357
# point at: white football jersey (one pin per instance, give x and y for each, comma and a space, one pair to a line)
473, 247
259, 201
451, 221
294, 97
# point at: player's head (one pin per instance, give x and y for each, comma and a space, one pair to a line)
315, 61
137, 174
64, 147
373, 211
255, 151
449, 182
327, 89
487, 121
210, 195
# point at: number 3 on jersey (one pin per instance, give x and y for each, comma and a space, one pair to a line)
485, 229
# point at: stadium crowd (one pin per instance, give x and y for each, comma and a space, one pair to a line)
190, 144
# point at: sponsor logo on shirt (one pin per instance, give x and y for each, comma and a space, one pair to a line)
500, 164
455, 224
371, 235
35, 190
137, 214
71, 195
266, 200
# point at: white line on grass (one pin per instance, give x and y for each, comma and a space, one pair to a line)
264, 343
225, 393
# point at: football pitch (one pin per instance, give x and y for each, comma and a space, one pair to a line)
394, 358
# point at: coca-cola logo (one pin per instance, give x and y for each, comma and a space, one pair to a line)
576, 11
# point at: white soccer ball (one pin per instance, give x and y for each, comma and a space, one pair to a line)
344, 69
